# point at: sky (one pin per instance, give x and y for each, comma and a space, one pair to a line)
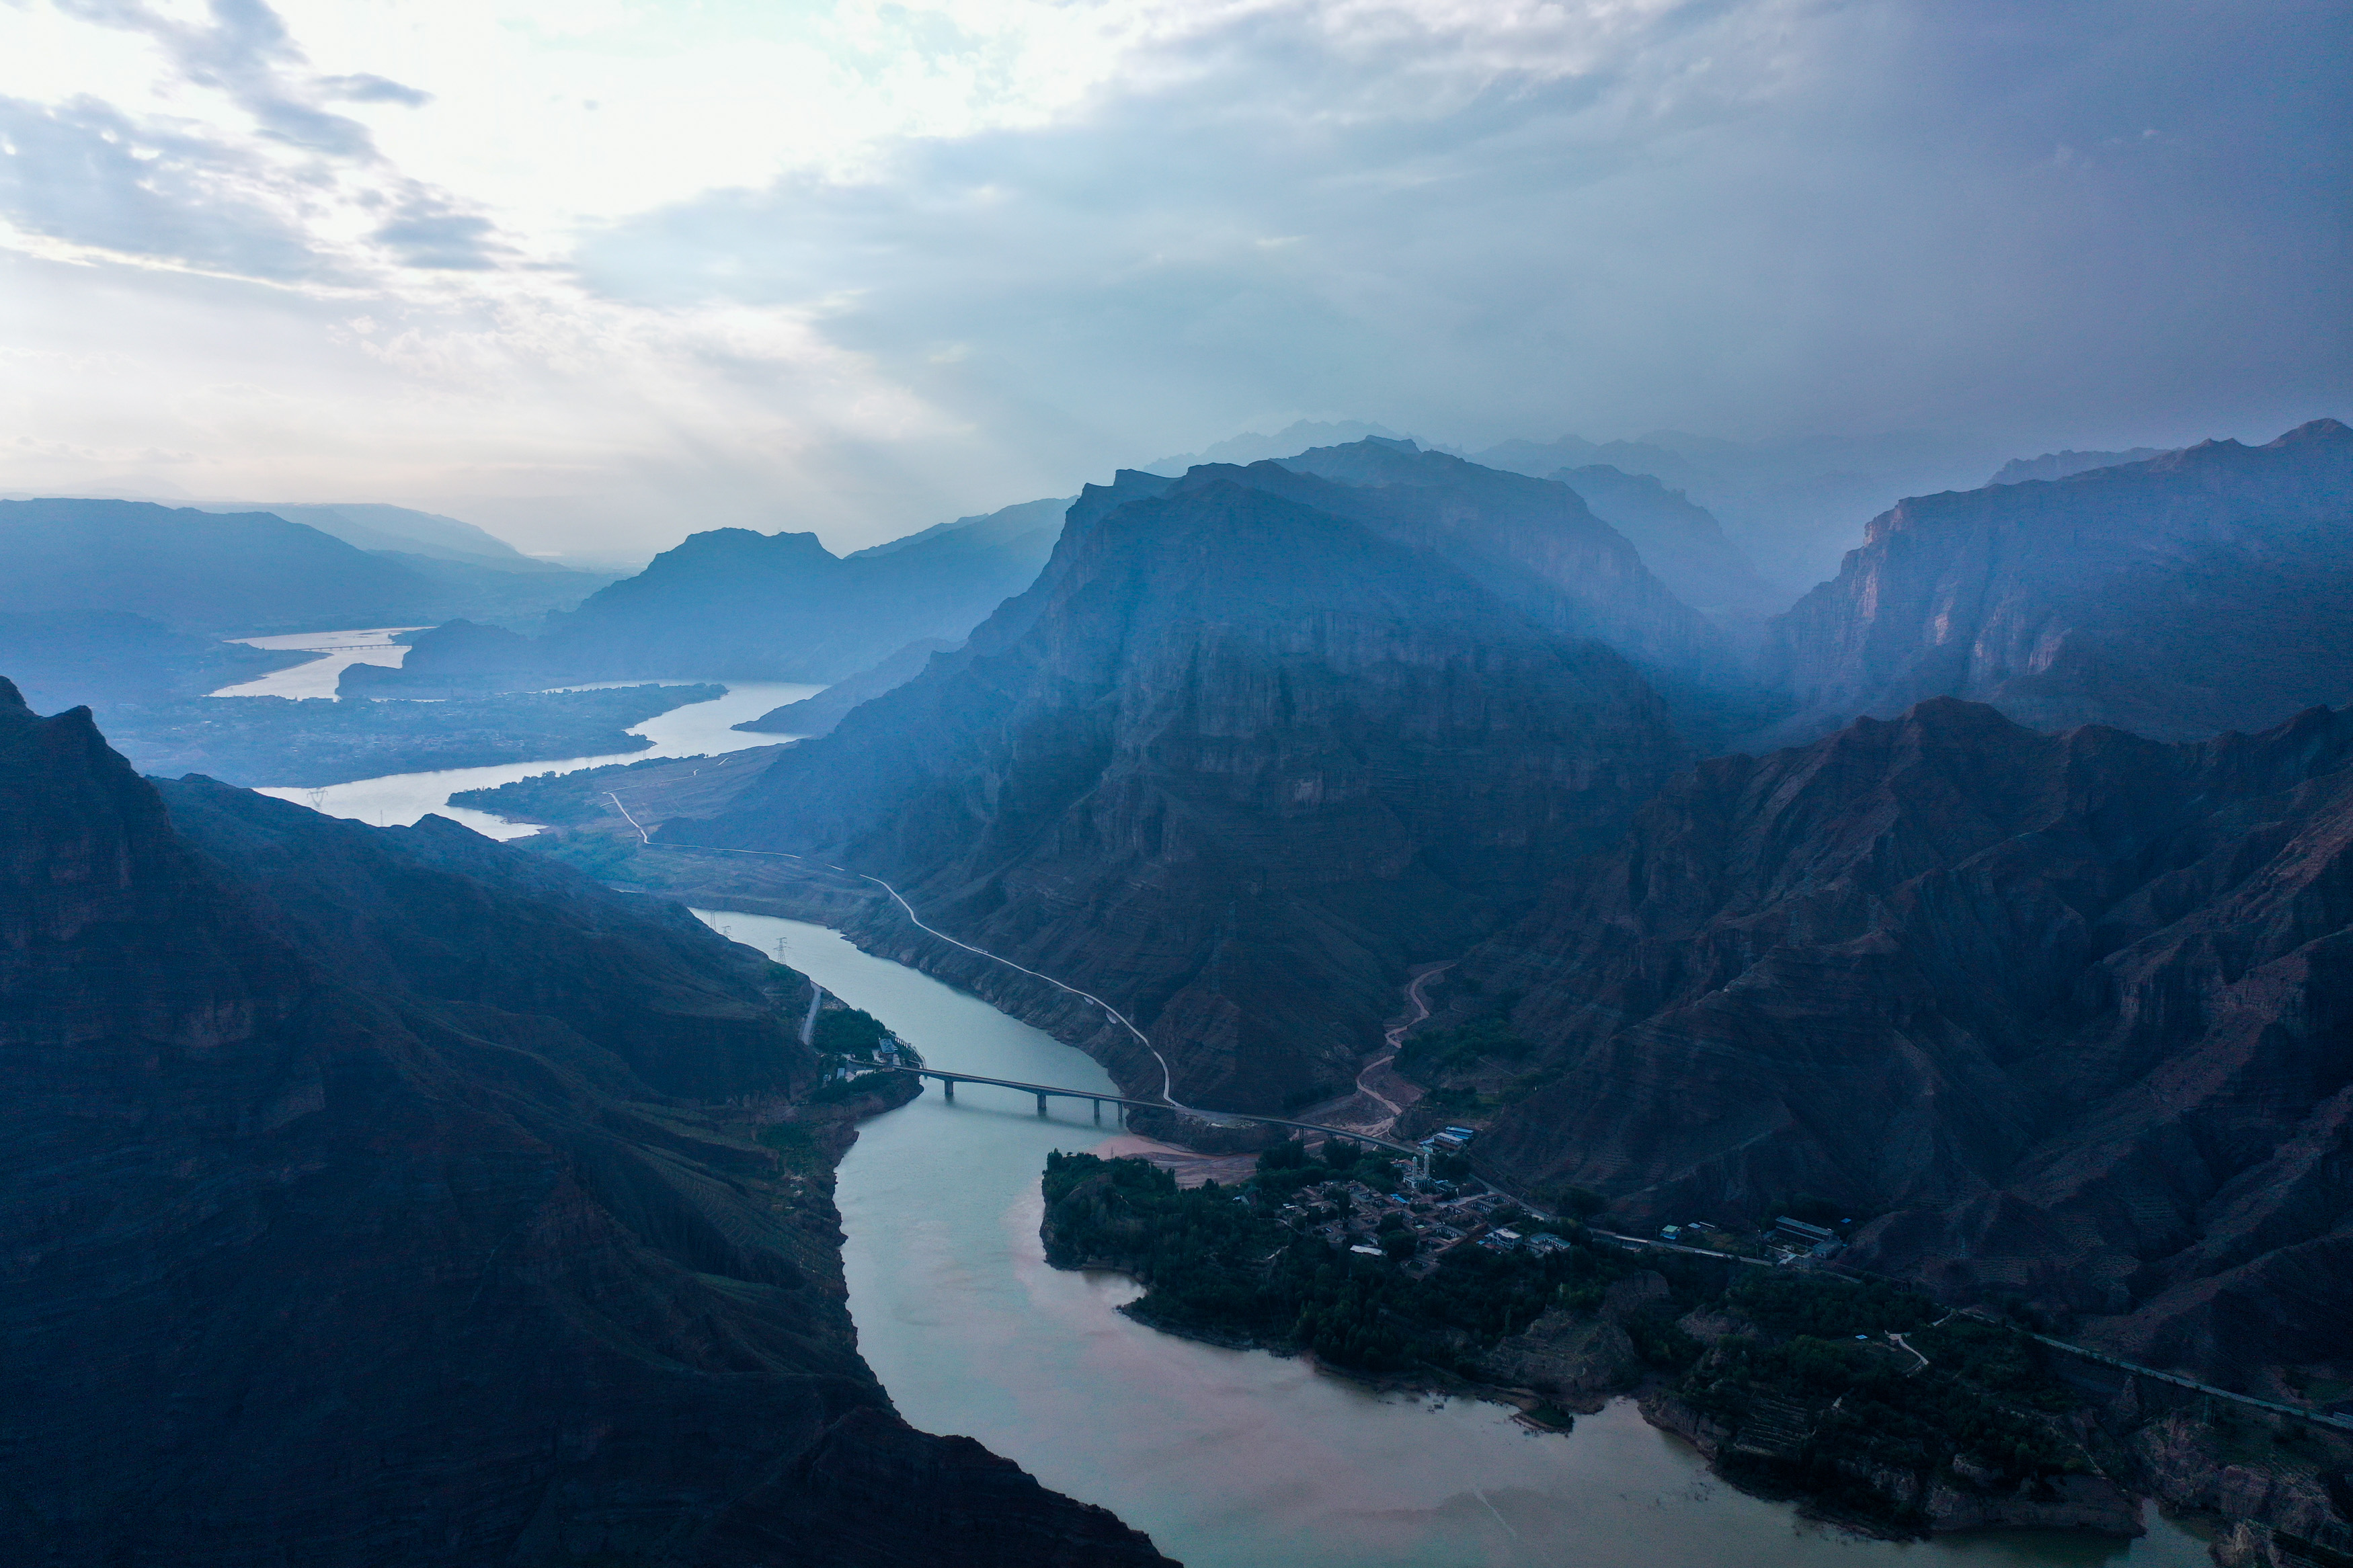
597, 274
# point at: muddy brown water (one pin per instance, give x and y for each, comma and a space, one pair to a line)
1242, 1459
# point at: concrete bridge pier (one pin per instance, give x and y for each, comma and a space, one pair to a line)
1041, 1105
947, 1085
1099, 1114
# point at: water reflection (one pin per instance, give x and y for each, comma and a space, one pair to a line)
696, 730
338, 651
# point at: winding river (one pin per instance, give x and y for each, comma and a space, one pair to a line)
697, 730
1239, 1459
1229, 1460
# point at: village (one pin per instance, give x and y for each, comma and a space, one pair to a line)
1423, 1218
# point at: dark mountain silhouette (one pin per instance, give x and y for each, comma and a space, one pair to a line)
1234, 762
733, 604
373, 1195
2060, 465
2201, 590
2069, 1013
1532, 542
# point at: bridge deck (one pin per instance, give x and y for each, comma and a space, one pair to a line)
1047, 1089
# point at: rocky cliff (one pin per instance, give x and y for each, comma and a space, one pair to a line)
373, 1196
2068, 1012
1231, 764
2199, 591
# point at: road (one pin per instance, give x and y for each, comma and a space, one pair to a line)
1394, 1038
1168, 1079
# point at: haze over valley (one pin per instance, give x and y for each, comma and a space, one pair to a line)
1361, 785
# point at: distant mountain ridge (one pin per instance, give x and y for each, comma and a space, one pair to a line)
246, 574
731, 603
2196, 591
1683, 544
1789, 506
2060, 465
1253, 448
373, 525
195, 571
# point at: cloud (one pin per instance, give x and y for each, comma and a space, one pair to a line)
862, 265
244, 51
427, 232
1768, 217
86, 174
364, 88
279, 188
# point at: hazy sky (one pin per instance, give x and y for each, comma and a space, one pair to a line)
598, 273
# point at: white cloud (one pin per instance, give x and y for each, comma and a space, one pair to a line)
621, 268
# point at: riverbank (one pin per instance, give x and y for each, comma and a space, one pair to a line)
1234, 1458
1867, 1406
311, 742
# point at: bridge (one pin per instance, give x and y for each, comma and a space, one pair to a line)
1044, 1091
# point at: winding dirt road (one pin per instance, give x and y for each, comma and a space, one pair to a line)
1377, 1083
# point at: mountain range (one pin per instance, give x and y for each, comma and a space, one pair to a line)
246, 573
2020, 930
373, 526
2199, 590
1789, 506
1256, 738
2067, 1014
2031, 949
391, 1195
734, 604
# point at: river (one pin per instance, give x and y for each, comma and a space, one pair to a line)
1229, 1460
337, 651
1241, 1459
696, 730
